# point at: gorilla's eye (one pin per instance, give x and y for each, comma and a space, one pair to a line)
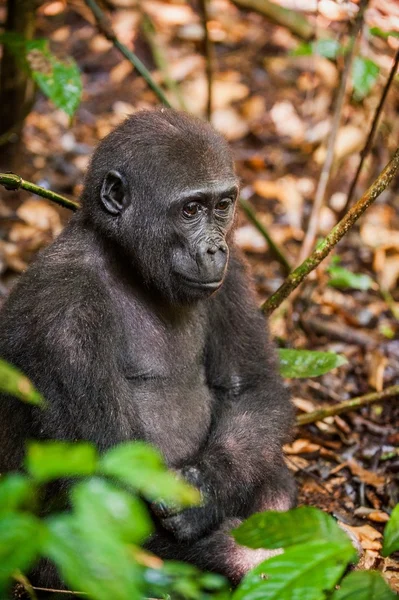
191, 209
223, 204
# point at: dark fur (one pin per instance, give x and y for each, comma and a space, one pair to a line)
123, 349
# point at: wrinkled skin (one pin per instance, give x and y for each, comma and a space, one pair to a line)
140, 322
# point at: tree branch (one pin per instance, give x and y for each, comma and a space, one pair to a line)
325, 174
335, 235
370, 137
291, 19
14, 182
104, 25
347, 406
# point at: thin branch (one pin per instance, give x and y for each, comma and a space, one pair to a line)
158, 54
335, 235
104, 25
14, 182
370, 137
293, 20
325, 174
274, 249
348, 405
42, 589
208, 52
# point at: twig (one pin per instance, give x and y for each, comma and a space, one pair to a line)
14, 182
274, 249
291, 19
104, 25
370, 137
347, 406
159, 58
42, 589
208, 54
335, 235
325, 174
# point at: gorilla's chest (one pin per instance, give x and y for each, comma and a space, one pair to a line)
164, 368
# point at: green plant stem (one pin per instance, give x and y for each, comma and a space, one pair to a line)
335, 235
104, 25
14, 182
274, 249
373, 129
208, 55
348, 405
291, 19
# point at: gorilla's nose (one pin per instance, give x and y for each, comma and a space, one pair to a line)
212, 258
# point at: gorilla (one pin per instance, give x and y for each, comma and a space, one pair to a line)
140, 323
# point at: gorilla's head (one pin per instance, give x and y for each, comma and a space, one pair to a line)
162, 187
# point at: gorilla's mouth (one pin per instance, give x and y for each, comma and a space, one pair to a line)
200, 284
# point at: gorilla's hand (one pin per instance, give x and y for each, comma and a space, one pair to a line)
191, 523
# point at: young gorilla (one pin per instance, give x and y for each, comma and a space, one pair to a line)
139, 322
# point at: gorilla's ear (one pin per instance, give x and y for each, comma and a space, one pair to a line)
114, 193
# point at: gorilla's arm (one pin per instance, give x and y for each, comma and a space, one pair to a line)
252, 416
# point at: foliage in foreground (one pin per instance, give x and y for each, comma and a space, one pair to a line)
97, 544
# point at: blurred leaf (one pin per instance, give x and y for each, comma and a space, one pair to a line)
92, 559
21, 536
13, 382
391, 533
50, 460
303, 572
16, 491
104, 505
307, 363
172, 578
273, 529
59, 80
140, 466
364, 75
383, 34
328, 48
342, 278
364, 585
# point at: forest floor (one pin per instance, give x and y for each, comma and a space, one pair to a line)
276, 110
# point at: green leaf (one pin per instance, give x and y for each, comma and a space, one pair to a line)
141, 467
327, 48
21, 536
391, 533
342, 278
101, 503
16, 491
92, 559
303, 572
308, 363
383, 34
59, 80
364, 585
364, 75
54, 459
273, 529
303, 49
13, 382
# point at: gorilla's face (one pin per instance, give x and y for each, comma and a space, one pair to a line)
168, 201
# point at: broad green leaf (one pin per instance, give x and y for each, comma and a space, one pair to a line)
342, 278
20, 538
13, 382
383, 34
141, 467
273, 529
308, 363
16, 491
364, 585
303, 572
59, 80
101, 503
391, 533
92, 559
54, 459
364, 76
328, 48
303, 49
